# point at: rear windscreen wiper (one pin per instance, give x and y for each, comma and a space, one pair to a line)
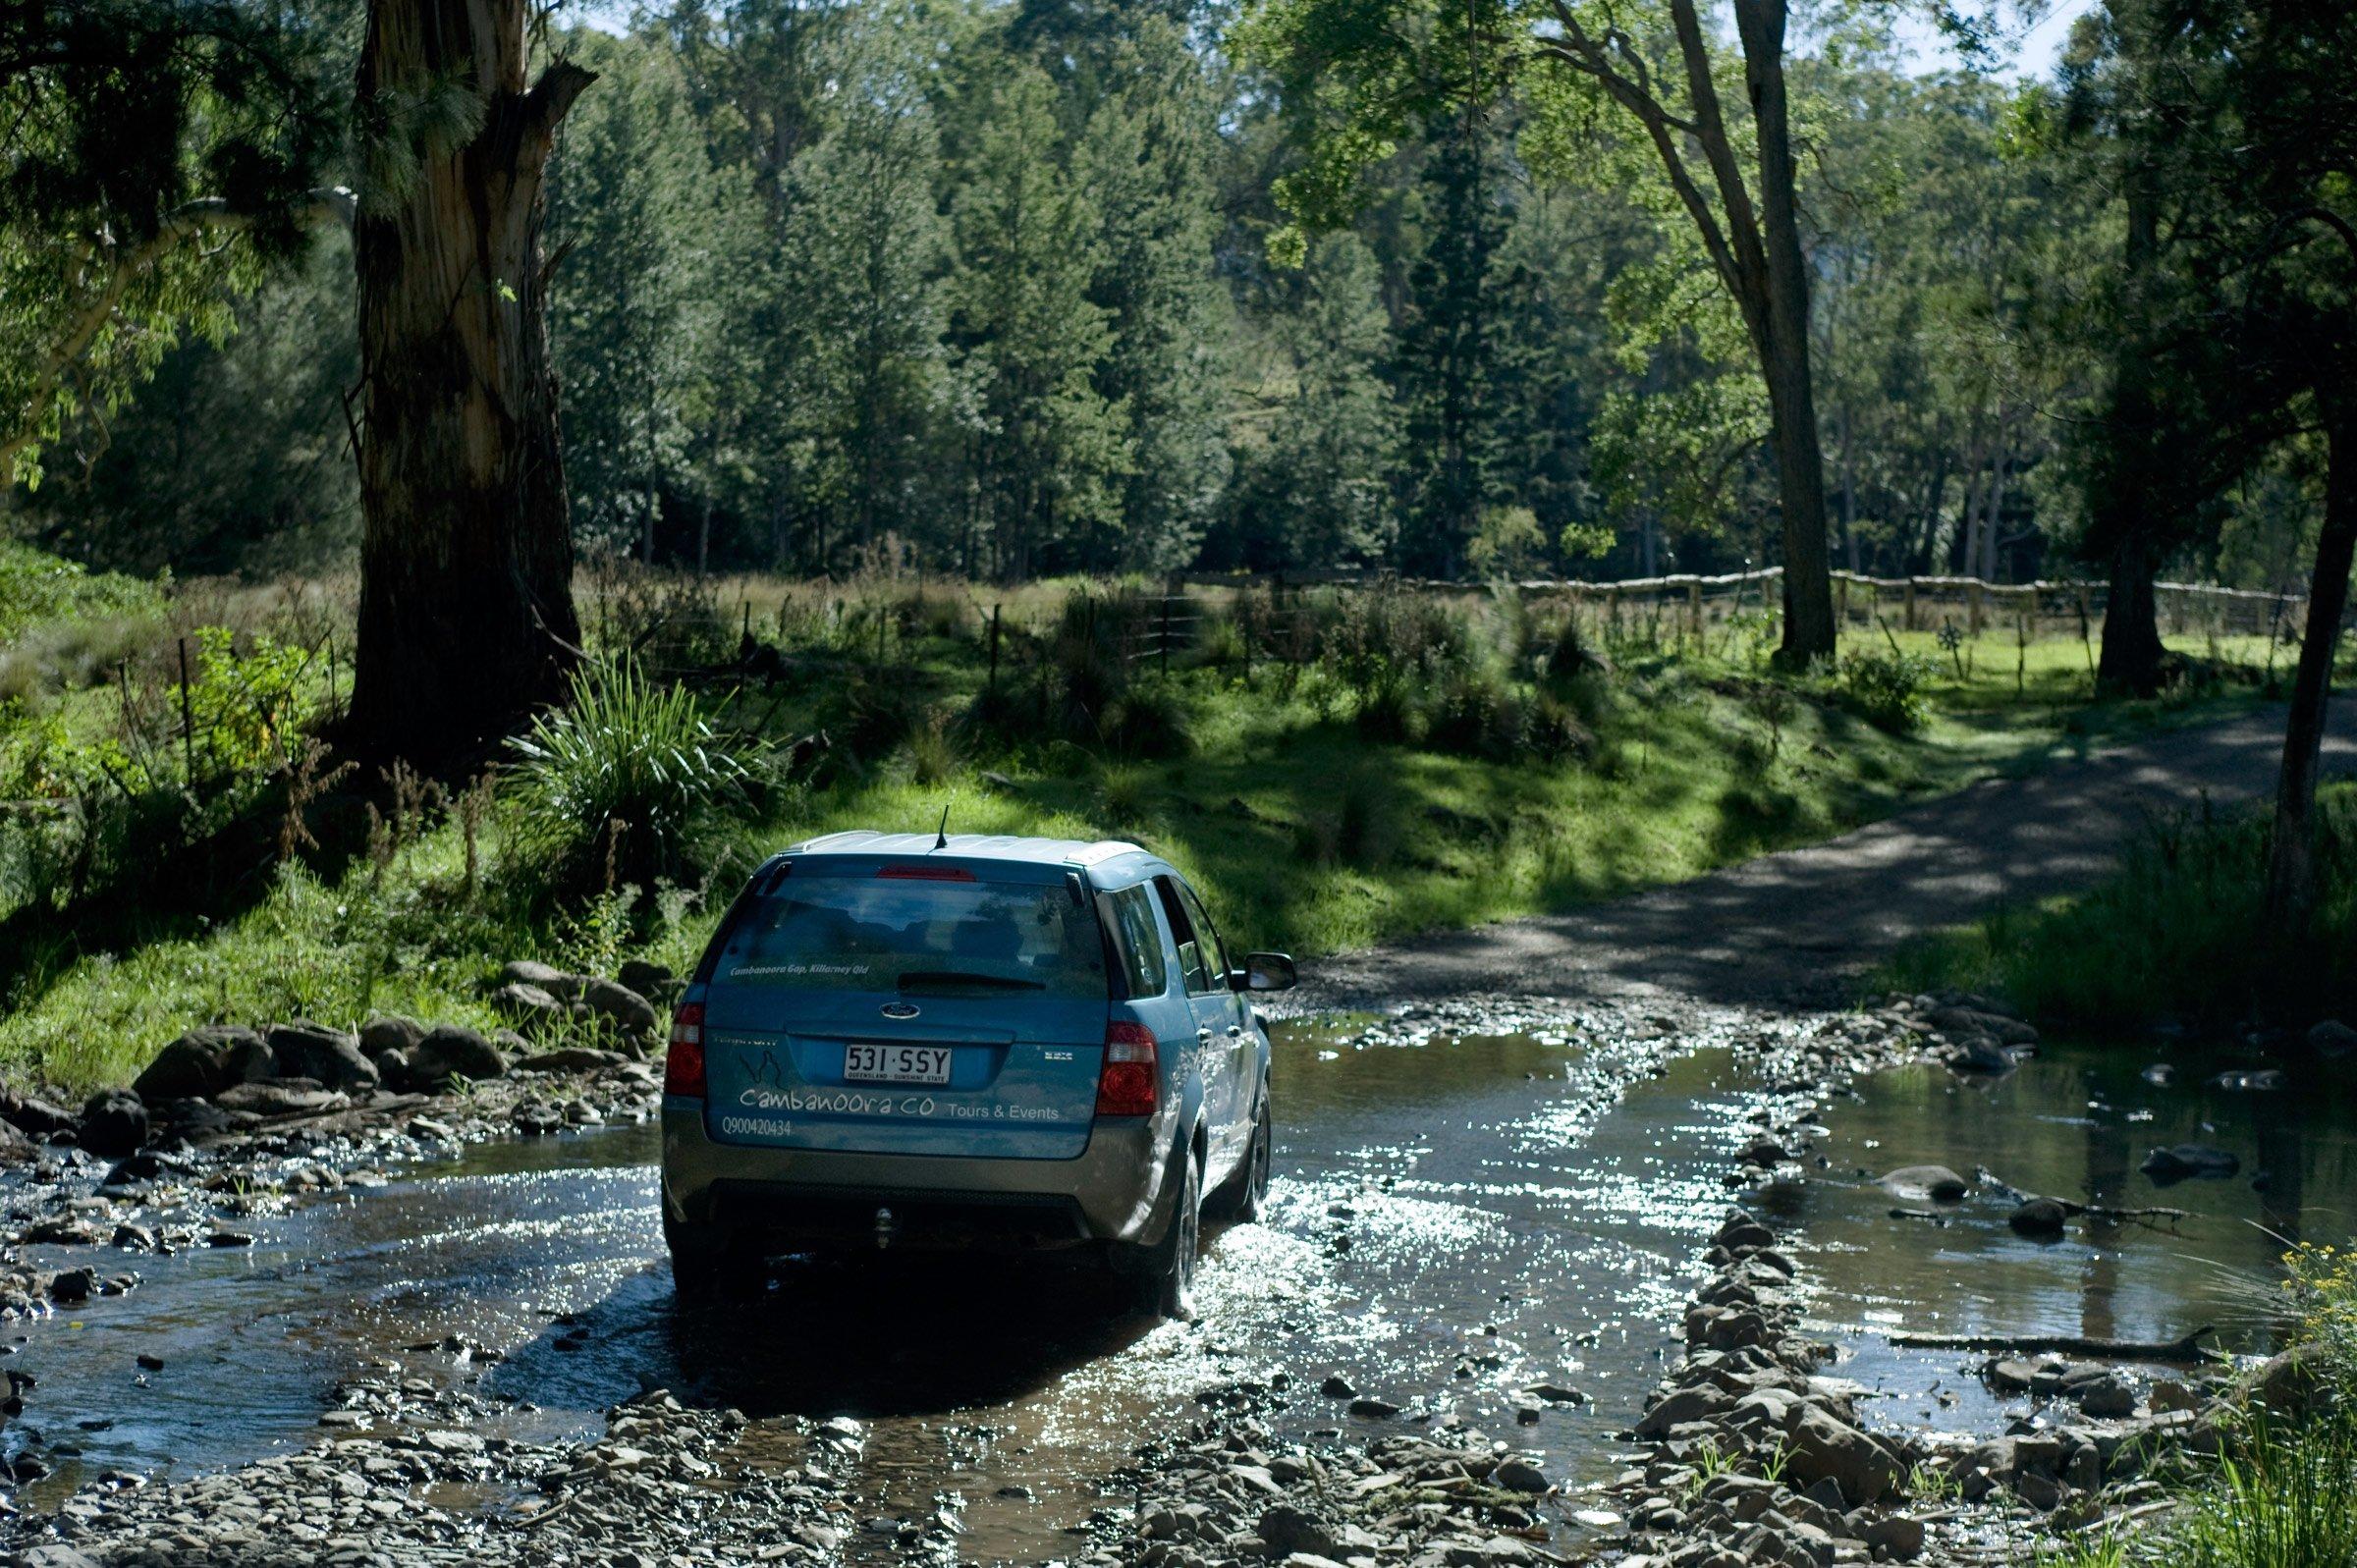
959, 977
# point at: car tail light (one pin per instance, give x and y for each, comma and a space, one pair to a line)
1132, 1076
918, 872
683, 1063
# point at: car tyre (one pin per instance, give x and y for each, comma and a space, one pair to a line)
1245, 1194
1166, 1272
708, 1265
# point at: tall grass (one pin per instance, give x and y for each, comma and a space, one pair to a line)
2168, 934
614, 786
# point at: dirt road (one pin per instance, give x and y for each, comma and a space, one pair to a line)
1796, 928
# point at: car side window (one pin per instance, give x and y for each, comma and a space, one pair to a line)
1142, 943
1192, 964
1207, 939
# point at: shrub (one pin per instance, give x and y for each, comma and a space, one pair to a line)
617, 786
1476, 714
933, 757
1885, 689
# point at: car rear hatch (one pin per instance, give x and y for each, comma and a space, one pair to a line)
917, 1006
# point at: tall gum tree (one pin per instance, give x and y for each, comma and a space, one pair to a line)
1366, 72
466, 618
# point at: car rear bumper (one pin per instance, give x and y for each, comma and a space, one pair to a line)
1114, 1190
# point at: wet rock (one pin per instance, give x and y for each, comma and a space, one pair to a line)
2010, 1375
114, 1123
2187, 1160
1556, 1394
2040, 1219
451, 1052
1764, 1152
1520, 1475
1286, 1529
130, 1237
1980, 1015
202, 1062
2290, 1383
327, 1057
2263, 1081
149, 1363
2169, 1396
72, 1286
2160, 1075
1916, 1182
1980, 1053
228, 1238
1371, 1408
2107, 1397
2333, 1041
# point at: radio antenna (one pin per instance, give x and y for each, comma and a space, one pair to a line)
940, 838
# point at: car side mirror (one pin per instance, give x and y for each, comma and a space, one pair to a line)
1265, 971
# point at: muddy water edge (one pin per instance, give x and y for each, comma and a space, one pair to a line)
1478, 1261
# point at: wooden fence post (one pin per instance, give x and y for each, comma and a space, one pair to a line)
1909, 621
994, 650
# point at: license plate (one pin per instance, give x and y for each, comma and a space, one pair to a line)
895, 1064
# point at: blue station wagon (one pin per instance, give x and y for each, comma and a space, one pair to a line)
916, 1040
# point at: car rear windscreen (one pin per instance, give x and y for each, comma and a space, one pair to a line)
915, 936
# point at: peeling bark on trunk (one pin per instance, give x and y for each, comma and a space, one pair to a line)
467, 618
2291, 858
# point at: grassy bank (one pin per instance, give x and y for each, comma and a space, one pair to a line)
2167, 937
1333, 772
2280, 1495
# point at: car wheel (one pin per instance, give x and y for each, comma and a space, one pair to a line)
1243, 1195
707, 1264
1166, 1282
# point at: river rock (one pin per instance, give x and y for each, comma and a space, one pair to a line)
527, 1006
1980, 1053
1520, 1475
35, 1116
569, 1059
2333, 1040
1822, 1446
450, 1050
1936, 1182
393, 1032
645, 977
1898, 1537
327, 1057
2160, 1075
114, 1123
1764, 1152
1960, 1023
282, 1097
2262, 1081
618, 1004
202, 1062
2188, 1160
2107, 1397
2040, 1219
547, 978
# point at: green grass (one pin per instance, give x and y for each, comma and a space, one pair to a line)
1305, 833
2167, 936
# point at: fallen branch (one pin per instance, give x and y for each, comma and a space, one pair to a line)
2186, 1349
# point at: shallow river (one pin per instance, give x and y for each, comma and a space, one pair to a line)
1450, 1222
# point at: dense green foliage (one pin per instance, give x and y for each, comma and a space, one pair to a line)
992, 289
2167, 937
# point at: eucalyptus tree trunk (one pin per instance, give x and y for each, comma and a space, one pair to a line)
2291, 855
2126, 501
467, 618
1784, 343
